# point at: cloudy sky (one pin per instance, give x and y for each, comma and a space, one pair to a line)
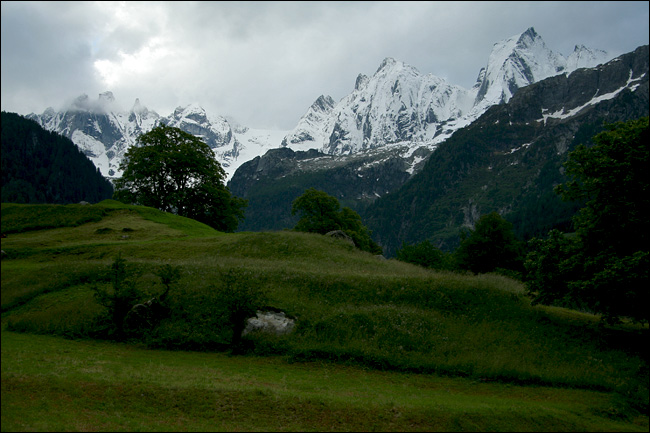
265, 63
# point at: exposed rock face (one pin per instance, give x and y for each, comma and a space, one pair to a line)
270, 322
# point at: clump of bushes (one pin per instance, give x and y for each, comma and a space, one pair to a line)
211, 318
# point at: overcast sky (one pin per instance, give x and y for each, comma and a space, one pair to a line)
265, 63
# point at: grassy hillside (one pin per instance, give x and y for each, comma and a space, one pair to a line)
351, 309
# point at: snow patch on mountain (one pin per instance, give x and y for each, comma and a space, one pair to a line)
632, 84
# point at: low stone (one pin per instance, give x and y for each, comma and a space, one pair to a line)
269, 322
340, 234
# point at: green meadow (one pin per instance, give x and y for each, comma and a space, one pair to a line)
378, 345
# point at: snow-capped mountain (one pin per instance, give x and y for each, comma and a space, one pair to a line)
508, 160
104, 132
583, 57
396, 107
100, 128
399, 105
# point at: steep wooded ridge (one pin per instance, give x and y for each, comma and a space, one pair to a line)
510, 159
40, 166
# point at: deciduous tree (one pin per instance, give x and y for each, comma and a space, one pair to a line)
491, 245
610, 259
322, 213
176, 172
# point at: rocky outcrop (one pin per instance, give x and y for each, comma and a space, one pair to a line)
272, 322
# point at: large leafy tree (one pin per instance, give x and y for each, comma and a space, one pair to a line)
176, 172
322, 213
490, 246
319, 212
610, 259
612, 177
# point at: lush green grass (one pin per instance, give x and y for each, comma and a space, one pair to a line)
17, 218
351, 309
51, 384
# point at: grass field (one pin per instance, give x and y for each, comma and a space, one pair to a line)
378, 344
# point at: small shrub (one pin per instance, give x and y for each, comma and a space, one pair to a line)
424, 254
239, 300
122, 296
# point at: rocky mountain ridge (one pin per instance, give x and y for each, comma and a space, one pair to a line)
397, 106
509, 160
271, 182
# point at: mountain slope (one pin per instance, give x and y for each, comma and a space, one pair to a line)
511, 157
377, 137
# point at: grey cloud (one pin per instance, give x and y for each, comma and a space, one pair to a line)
264, 63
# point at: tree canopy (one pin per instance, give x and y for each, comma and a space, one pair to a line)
322, 213
424, 254
176, 172
612, 176
490, 246
605, 268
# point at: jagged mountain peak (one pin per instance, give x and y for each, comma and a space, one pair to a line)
81, 102
479, 78
390, 66
138, 107
310, 129
189, 110
528, 37
194, 119
107, 97
388, 62
362, 81
323, 103
104, 103
514, 63
585, 57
